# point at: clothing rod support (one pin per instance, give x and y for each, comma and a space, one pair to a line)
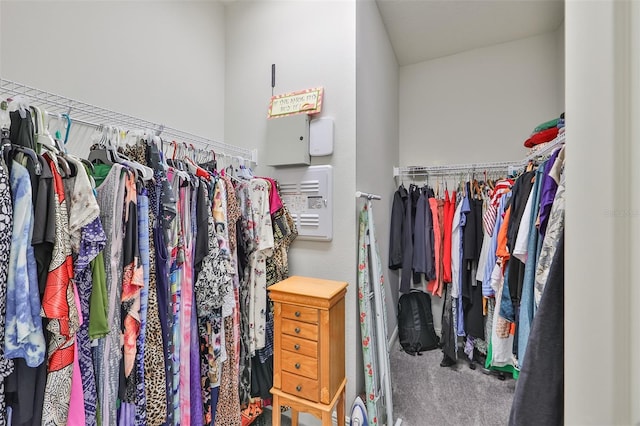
360, 194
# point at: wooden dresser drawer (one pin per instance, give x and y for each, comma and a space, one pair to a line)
300, 313
299, 364
300, 386
300, 329
300, 346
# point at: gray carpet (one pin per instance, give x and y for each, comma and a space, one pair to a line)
426, 394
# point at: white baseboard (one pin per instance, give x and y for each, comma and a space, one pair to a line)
394, 337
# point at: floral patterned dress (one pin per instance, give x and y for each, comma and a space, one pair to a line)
58, 305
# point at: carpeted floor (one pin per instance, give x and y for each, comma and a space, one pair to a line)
426, 394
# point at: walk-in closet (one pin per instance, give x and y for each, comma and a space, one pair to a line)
144, 219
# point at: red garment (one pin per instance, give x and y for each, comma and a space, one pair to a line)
449, 211
132, 279
541, 137
275, 202
434, 287
58, 305
58, 292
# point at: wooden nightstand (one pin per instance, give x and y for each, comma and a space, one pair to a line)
308, 352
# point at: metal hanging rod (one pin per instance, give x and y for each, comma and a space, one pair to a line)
360, 194
501, 166
94, 116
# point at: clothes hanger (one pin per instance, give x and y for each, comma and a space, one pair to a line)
141, 171
18, 103
8, 148
178, 165
172, 160
46, 141
99, 154
192, 167
62, 151
5, 117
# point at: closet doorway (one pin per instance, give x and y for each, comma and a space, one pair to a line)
475, 78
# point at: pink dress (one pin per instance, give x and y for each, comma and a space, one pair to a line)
76, 404
186, 308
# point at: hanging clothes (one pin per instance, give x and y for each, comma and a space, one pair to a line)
534, 243
87, 241
6, 225
111, 199
58, 306
542, 377
423, 239
154, 361
24, 337
228, 406
449, 210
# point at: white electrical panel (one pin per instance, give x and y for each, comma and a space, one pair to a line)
288, 141
308, 194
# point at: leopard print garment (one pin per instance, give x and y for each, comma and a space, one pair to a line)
228, 408
154, 368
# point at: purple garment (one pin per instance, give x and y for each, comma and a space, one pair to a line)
466, 208
548, 193
126, 414
195, 400
214, 400
93, 240
197, 415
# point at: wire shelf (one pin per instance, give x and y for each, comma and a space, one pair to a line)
507, 167
95, 116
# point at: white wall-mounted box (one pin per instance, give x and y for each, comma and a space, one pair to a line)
288, 141
308, 194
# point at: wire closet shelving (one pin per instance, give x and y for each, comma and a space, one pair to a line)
536, 153
95, 116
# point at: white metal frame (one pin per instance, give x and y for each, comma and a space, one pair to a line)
502, 166
381, 332
95, 116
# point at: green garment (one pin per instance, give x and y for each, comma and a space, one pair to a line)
100, 172
98, 326
544, 126
510, 369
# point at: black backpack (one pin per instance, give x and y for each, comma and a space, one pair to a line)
415, 323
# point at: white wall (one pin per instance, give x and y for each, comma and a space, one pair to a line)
601, 301
312, 44
561, 66
377, 134
480, 105
157, 60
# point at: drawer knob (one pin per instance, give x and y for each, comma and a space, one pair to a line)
297, 313
298, 388
297, 330
296, 347
298, 365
